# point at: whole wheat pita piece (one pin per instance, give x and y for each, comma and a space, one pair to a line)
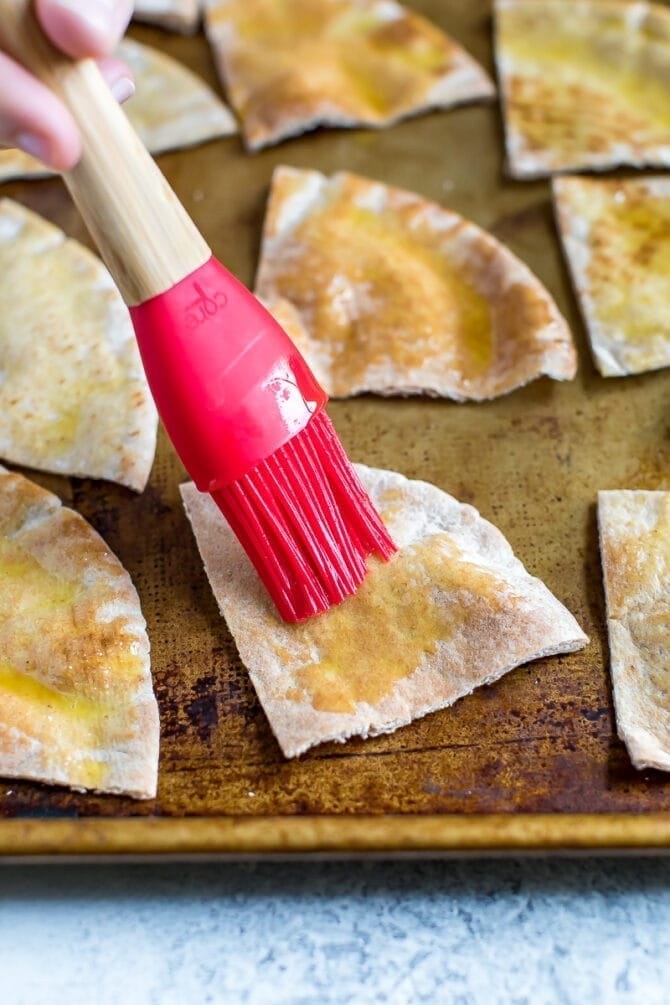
635, 551
77, 706
385, 291
453, 610
616, 237
292, 65
174, 15
584, 83
73, 395
172, 108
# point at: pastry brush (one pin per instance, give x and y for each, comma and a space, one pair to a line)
238, 401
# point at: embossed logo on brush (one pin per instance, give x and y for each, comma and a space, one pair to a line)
204, 307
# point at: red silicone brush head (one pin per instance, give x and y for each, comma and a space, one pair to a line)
246, 417
306, 522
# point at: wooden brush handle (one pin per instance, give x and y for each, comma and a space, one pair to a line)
143, 232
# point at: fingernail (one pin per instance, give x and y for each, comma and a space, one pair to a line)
36, 146
100, 15
122, 89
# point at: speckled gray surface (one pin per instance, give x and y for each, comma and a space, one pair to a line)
535, 931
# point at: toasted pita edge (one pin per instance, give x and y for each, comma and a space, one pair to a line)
609, 354
645, 748
133, 774
556, 356
297, 725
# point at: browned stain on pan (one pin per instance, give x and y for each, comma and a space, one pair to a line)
541, 740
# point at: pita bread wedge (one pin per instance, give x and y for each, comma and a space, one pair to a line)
616, 236
635, 550
73, 395
15, 164
585, 84
76, 701
174, 15
292, 65
171, 108
453, 610
384, 291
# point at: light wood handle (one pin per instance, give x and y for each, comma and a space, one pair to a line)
144, 234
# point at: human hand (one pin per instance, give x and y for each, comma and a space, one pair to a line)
31, 116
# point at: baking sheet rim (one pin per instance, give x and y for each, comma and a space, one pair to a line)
390, 835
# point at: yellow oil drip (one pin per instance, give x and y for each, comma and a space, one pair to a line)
407, 303
602, 61
401, 613
27, 688
68, 725
25, 585
332, 53
632, 242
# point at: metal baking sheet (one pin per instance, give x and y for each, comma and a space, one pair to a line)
529, 763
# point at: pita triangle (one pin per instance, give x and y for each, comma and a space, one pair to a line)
635, 550
453, 610
174, 15
616, 236
76, 701
73, 395
171, 108
291, 67
585, 84
385, 291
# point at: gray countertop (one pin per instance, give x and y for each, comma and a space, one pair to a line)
459, 932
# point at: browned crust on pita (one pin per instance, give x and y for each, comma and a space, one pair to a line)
571, 111
77, 705
635, 551
292, 65
385, 291
493, 616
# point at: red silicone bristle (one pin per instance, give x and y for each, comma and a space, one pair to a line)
306, 522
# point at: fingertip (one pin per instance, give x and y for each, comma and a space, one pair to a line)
119, 78
67, 153
60, 153
32, 118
